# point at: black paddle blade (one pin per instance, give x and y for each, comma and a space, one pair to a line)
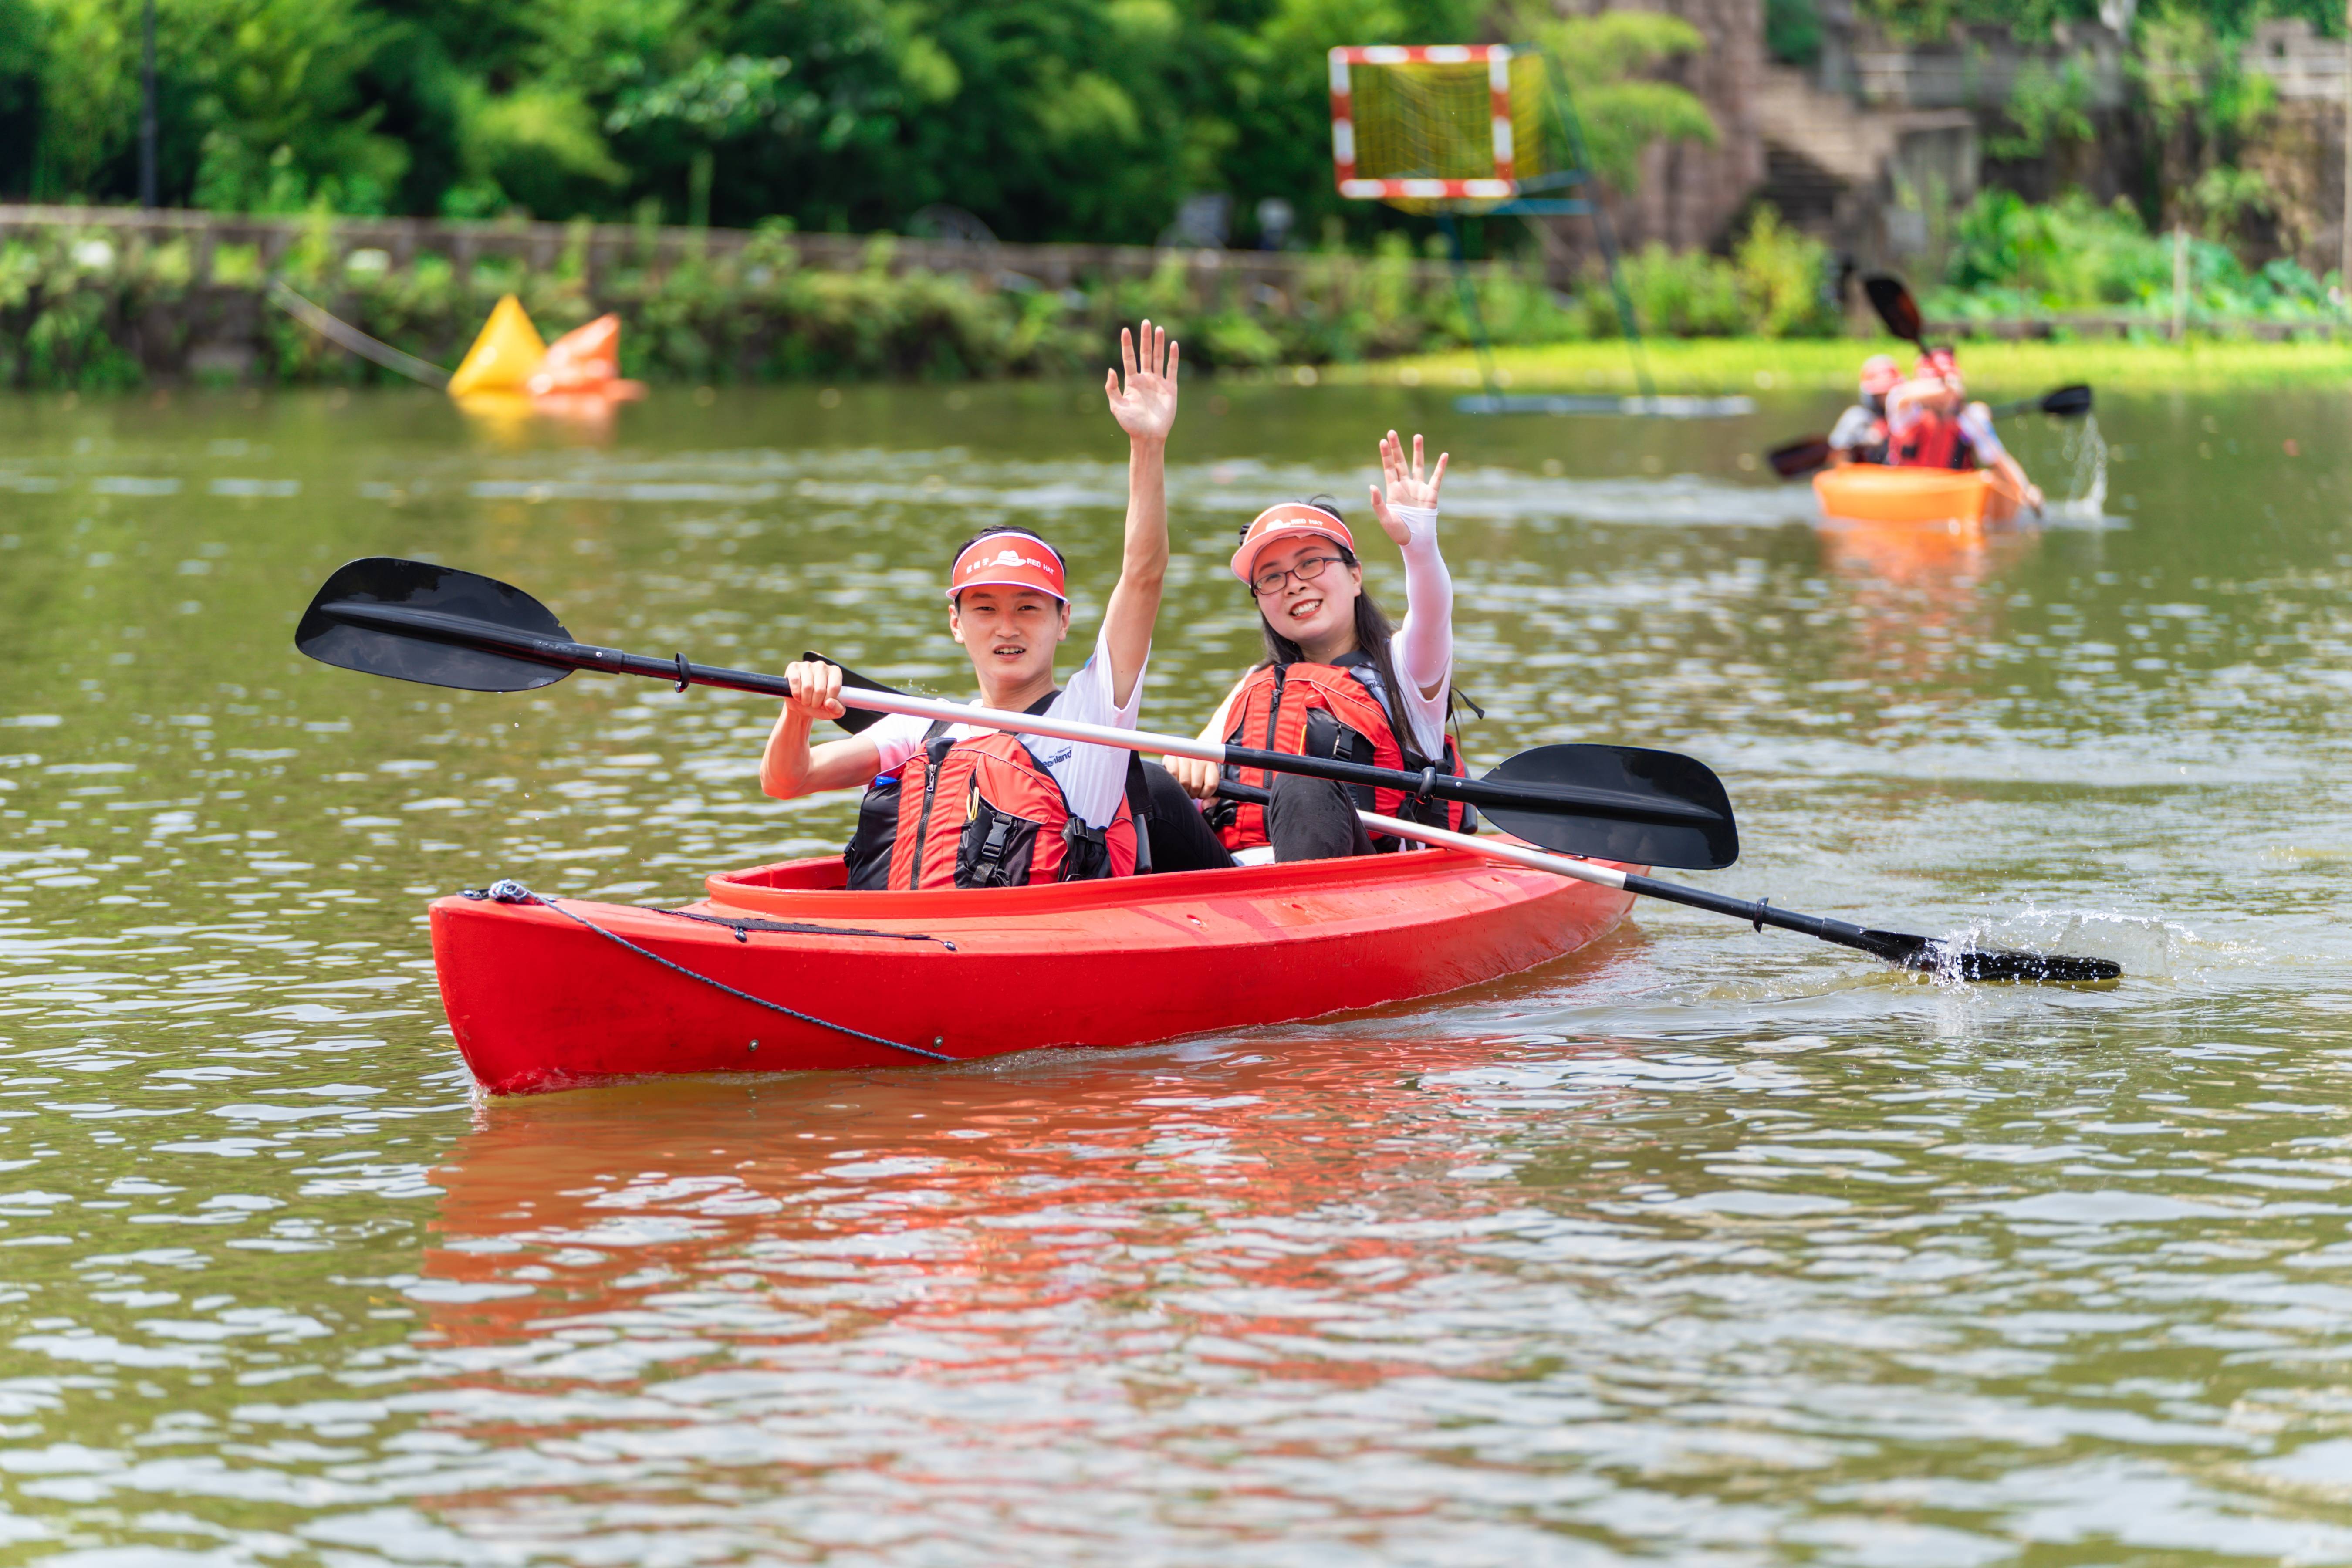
1801, 456
854, 719
1894, 306
1939, 957
2067, 402
417, 585
1707, 841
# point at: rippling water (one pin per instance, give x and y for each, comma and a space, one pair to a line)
1702, 1246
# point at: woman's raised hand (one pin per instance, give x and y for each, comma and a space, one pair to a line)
1406, 485
817, 690
1146, 408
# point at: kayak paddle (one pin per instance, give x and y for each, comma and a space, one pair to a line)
414, 621
1895, 307
1932, 954
1815, 451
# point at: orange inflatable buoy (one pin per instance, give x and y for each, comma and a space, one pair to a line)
505, 356
585, 361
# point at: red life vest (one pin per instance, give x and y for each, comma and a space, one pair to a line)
1329, 710
984, 813
1934, 441
867, 855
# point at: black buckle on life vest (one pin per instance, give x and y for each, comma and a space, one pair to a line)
1086, 850
992, 846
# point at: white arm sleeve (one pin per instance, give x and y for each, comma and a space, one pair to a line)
1424, 644
1976, 424
1423, 650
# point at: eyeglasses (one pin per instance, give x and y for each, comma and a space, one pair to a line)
1270, 580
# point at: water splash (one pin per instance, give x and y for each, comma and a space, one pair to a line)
2085, 457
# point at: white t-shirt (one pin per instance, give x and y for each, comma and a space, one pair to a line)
1093, 778
1853, 428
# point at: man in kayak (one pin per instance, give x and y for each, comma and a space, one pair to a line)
1931, 424
968, 807
1860, 436
1337, 681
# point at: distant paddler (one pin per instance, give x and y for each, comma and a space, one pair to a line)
947, 805
1859, 433
1931, 424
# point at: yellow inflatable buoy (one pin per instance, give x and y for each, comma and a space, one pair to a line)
505, 357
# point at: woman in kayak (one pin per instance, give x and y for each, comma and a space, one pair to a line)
967, 807
1337, 681
1931, 424
1860, 436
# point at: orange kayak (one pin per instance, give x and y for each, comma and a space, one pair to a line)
1872, 492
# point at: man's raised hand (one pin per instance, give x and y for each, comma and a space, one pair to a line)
1146, 408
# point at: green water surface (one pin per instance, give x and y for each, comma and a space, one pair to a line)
1702, 1246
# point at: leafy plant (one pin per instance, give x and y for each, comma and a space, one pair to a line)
1605, 60
2045, 108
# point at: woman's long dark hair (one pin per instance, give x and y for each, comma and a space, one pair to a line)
1374, 635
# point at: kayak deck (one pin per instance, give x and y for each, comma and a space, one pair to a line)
1874, 492
539, 1000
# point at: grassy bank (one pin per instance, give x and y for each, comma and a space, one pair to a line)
1749, 364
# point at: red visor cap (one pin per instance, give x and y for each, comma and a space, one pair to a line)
1008, 561
1291, 520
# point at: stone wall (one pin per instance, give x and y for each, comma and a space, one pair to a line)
1688, 194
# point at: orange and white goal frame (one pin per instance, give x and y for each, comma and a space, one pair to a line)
1504, 183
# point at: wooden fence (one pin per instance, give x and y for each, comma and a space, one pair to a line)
602, 248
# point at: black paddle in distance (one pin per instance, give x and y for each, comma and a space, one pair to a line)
1928, 954
1892, 300
1801, 456
442, 627
1814, 451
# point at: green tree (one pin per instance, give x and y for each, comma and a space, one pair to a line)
1606, 61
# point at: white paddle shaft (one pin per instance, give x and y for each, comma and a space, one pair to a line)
1033, 724
1494, 849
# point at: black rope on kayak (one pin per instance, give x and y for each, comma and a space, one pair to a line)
507, 891
800, 927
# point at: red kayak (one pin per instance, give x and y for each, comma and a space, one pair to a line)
781, 970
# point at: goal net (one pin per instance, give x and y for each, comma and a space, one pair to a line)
1443, 128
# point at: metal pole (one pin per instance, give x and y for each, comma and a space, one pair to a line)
1468, 290
2179, 281
1578, 154
147, 110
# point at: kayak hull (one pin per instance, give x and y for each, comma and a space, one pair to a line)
1874, 492
539, 1000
